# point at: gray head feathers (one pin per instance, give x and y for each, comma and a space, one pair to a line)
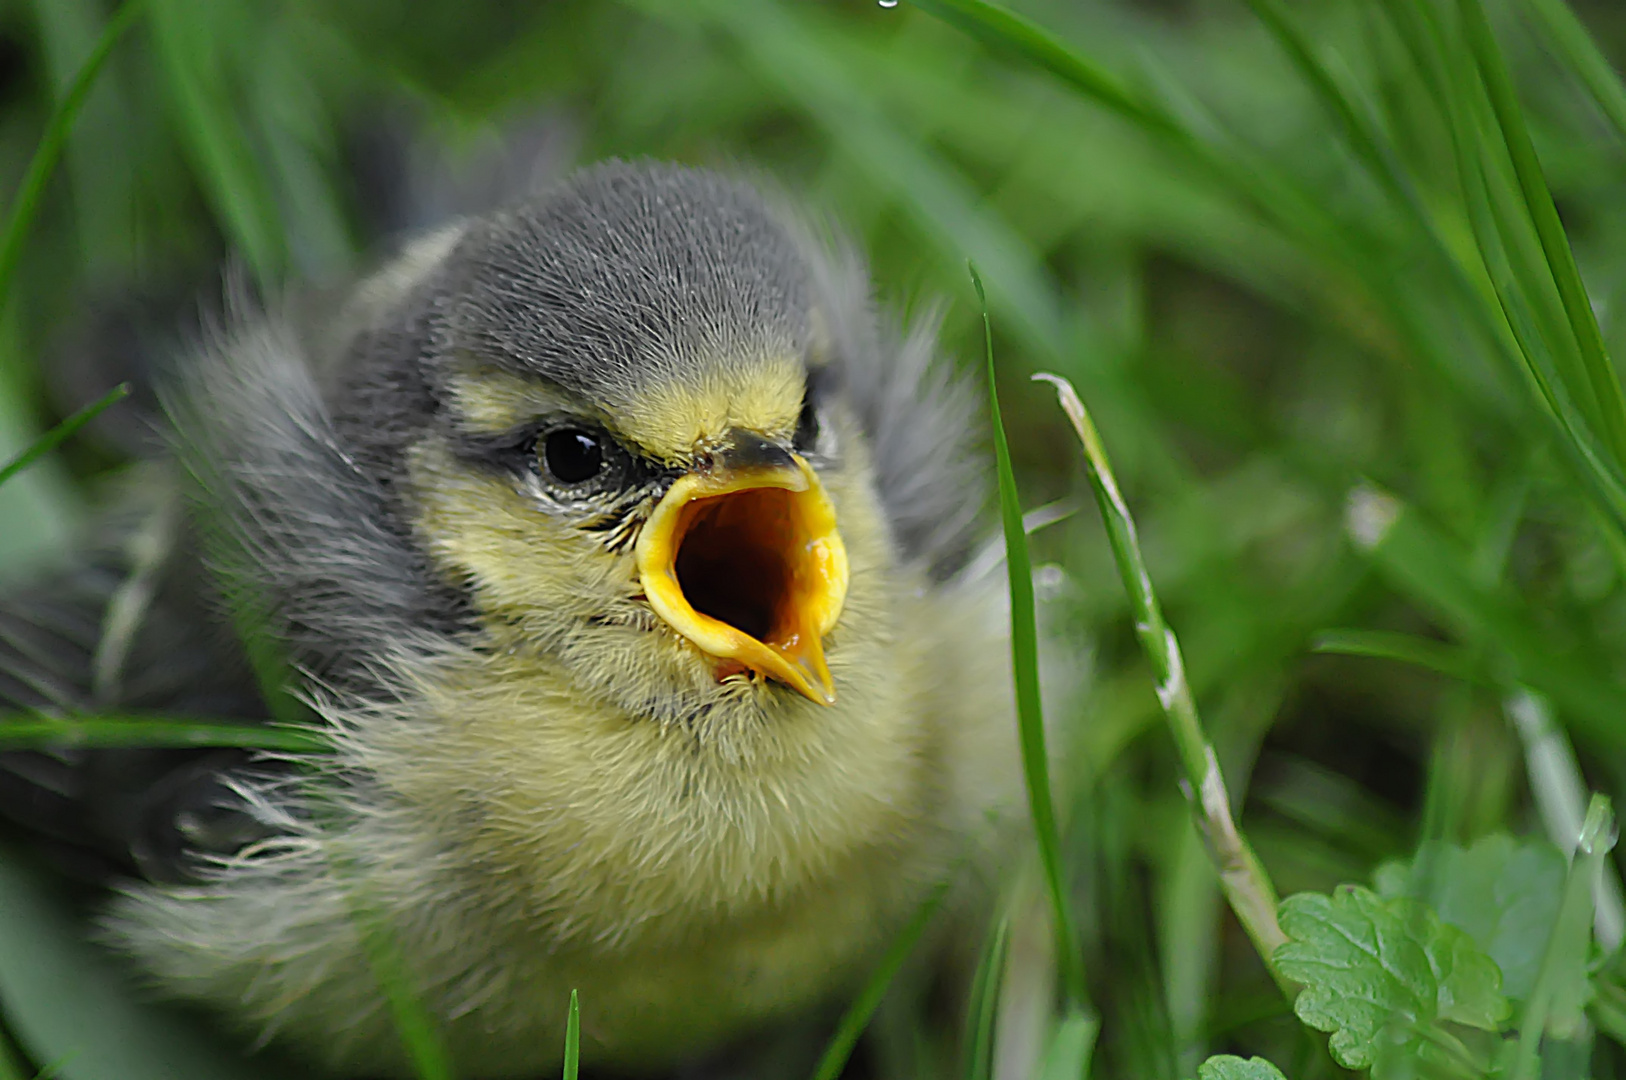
629, 275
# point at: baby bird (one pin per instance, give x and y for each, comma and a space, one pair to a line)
610, 541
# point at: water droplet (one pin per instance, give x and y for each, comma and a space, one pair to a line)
887, 3
1049, 582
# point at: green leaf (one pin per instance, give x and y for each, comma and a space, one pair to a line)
1230, 1067
70, 1006
1372, 967
1502, 892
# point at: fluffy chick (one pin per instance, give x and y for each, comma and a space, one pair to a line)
613, 539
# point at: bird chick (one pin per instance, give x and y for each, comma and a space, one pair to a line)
611, 540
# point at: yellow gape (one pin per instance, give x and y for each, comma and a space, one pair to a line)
748, 565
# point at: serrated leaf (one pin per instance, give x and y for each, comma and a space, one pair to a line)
1504, 893
1231, 1067
1370, 966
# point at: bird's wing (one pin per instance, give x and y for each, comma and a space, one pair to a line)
260, 508
123, 626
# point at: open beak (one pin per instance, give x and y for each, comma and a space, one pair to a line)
744, 560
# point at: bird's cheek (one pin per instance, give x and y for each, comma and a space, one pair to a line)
519, 565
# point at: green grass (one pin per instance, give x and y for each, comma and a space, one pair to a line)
1340, 283
24, 205
151, 730
862, 1008
573, 1039
63, 431
1025, 673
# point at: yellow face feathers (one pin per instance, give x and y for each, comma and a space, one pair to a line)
670, 420
490, 399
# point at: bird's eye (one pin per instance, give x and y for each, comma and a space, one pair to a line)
807, 424
573, 456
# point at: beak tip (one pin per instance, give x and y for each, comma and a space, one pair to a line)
812, 678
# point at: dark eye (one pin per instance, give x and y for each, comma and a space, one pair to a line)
573, 456
807, 424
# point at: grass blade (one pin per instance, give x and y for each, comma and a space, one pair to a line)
1511, 266
156, 731
1421, 652
1512, 255
984, 1008
59, 434
1242, 877
1344, 244
25, 205
1423, 564
1239, 174
1025, 671
225, 162
1008, 31
250, 612
1605, 384
419, 1033
1562, 985
1575, 45
573, 1039
789, 51
1560, 792
1368, 143
11, 1064
1068, 1057
70, 1003
1362, 137
857, 1017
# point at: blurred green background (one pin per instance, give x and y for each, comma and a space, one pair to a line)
1249, 368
